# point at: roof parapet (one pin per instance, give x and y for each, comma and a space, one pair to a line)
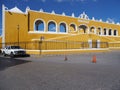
82, 16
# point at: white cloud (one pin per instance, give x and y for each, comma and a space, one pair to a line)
110, 20
53, 28
95, 0
43, 0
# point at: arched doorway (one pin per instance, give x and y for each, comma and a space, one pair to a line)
99, 31
72, 28
83, 29
110, 32
115, 33
105, 31
92, 30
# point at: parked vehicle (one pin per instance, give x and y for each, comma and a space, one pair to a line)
13, 51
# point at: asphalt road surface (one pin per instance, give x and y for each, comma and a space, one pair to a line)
54, 73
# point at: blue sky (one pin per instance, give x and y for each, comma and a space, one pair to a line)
100, 9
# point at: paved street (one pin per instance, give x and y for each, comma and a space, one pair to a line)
53, 73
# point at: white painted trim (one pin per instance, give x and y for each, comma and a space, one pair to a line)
38, 32
59, 50
55, 25
117, 33
112, 32
107, 34
90, 43
16, 10
43, 23
98, 43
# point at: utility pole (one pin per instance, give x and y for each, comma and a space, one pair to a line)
18, 27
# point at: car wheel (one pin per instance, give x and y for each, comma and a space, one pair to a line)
0, 52
11, 55
4, 54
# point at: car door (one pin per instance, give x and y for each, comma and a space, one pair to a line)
9, 50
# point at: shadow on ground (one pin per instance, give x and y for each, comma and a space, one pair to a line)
9, 62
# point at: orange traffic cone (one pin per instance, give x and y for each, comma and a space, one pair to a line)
66, 58
94, 59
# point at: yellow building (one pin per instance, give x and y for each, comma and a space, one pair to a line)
34, 26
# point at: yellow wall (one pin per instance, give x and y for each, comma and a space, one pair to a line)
0, 42
12, 20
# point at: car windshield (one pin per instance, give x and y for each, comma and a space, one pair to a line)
15, 47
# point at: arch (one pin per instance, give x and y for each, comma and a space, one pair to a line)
93, 30
110, 32
52, 26
83, 29
39, 25
62, 27
99, 31
72, 27
115, 32
105, 31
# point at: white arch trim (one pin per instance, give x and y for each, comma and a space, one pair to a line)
43, 23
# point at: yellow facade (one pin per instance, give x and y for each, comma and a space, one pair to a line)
27, 32
24, 27
11, 27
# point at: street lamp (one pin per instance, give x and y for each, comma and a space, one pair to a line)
40, 44
18, 33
